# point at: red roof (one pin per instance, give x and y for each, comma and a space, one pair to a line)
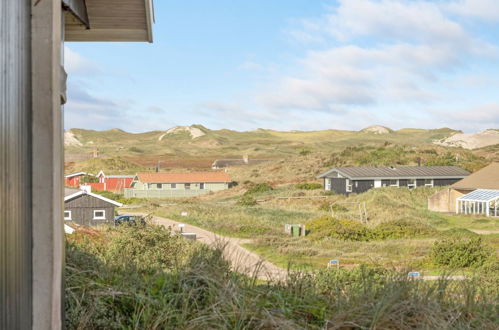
184, 177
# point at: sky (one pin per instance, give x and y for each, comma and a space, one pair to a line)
295, 65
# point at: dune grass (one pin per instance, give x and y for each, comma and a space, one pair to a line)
192, 287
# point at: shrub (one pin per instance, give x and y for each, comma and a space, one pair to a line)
246, 200
308, 186
458, 233
259, 188
347, 230
401, 229
305, 152
459, 252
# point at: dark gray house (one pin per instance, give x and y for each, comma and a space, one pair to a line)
85, 208
346, 180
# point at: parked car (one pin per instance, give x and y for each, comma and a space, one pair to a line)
129, 219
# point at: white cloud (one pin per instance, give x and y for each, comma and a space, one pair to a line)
74, 63
382, 53
480, 9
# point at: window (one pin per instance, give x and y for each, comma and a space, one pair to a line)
67, 215
187, 186
174, 186
411, 183
393, 183
428, 182
201, 186
349, 185
99, 215
159, 186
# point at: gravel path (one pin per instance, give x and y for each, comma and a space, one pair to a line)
242, 260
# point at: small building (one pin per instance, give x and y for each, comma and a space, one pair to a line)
85, 208
163, 185
458, 197
76, 179
346, 180
115, 183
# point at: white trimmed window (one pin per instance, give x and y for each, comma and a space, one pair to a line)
201, 186
348, 185
393, 183
99, 215
187, 186
428, 182
174, 186
411, 183
159, 186
67, 215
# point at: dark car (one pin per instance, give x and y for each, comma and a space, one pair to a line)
129, 219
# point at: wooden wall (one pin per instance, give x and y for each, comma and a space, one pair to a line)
82, 210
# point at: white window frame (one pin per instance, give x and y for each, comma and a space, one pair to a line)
201, 186
187, 186
103, 217
328, 184
173, 186
429, 184
348, 184
159, 186
397, 183
69, 217
412, 185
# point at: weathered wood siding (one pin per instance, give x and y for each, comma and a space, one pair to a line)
444, 182
338, 185
15, 166
82, 210
360, 186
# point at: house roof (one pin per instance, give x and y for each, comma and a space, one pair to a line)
70, 194
76, 174
184, 177
486, 178
109, 20
402, 172
101, 173
481, 195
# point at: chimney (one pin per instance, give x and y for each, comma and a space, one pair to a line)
246, 159
157, 167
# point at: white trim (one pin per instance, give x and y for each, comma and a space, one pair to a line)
149, 19
432, 184
77, 194
70, 217
348, 185
77, 174
100, 218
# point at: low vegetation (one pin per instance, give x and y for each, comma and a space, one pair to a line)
112, 282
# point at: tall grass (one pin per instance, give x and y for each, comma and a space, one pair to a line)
199, 291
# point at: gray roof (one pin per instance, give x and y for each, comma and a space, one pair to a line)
481, 195
70, 191
409, 172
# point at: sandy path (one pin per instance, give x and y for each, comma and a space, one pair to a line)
242, 260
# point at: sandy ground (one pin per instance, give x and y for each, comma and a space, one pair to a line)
472, 140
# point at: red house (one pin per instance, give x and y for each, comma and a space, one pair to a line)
74, 179
112, 182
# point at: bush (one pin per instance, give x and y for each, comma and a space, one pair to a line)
259, 188
401, 229
347, 230
246, 201
308, 186
458, 233
459, 252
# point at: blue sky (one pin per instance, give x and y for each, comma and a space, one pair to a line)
295, 64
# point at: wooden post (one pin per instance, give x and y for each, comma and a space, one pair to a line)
47, 168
